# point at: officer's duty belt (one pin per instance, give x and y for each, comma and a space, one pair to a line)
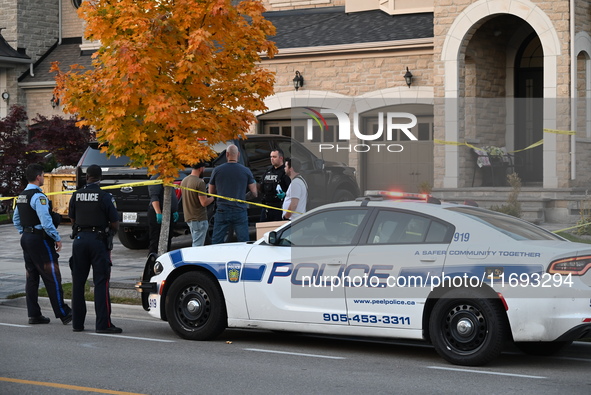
90, 229
30, 229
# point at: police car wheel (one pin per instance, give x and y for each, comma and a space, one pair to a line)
468, 329
542, 348
195, 307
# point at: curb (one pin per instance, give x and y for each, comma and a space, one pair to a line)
118, 310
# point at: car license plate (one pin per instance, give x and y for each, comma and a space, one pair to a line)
129, 217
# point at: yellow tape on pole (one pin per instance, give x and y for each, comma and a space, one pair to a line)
556, 131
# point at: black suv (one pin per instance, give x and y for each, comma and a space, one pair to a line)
328, 181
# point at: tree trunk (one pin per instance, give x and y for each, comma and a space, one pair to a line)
166, 218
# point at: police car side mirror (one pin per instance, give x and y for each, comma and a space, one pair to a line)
271, 238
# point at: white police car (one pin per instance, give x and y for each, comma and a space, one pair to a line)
464, 278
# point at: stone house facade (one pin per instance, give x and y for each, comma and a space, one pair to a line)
505, 73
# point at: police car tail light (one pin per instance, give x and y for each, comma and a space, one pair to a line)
575, 266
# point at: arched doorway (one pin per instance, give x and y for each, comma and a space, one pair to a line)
529, 109
450, 126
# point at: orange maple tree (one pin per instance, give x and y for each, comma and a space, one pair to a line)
168, 74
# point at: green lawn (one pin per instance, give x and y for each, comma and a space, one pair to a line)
89, 296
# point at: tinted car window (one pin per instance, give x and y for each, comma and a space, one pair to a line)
327, 228
393, 227
258, 153
515, 228
95, 156
294, 150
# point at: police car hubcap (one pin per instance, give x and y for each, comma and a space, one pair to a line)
193, 306
465, 328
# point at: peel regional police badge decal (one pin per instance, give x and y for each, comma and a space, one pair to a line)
233, 270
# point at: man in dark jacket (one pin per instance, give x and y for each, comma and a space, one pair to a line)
94, 222
274, 184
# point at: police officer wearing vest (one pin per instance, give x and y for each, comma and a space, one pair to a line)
274, 184
41, 243
94, 222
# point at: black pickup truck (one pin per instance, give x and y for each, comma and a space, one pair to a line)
327, 181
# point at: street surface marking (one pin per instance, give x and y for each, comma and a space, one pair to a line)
134, 338
485, 372
294, 353
68, 387
17, 325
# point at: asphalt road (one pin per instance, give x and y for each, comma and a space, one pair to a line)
148, 358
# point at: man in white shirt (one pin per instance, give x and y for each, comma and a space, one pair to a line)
297, 193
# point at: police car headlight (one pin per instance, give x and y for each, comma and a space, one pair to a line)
158, 268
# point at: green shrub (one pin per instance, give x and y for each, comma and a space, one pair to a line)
584, 223
513, 206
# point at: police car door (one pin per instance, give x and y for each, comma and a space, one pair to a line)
390, 269
295, 286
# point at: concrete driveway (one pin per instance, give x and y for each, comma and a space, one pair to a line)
128, 265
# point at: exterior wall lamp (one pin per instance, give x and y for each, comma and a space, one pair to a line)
54, 101
5, 96
408, 77
298, 80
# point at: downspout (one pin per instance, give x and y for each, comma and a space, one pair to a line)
573, 93
59, 33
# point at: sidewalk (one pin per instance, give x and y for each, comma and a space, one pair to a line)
128, 265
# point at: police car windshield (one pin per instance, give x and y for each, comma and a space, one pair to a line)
510, 226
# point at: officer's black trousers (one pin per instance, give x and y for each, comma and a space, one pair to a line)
89, 250
268, 214
41, 261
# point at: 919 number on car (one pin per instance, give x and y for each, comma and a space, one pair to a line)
367, 319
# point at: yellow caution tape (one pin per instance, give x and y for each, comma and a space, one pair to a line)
572, 227
556, 131
176, 186
232, 199
457, 143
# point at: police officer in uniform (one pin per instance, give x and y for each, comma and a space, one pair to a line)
41, 242
273, 177
94, 222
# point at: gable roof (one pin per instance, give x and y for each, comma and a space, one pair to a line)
67, 54
333, 26
313, 27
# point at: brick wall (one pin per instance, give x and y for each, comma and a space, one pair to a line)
72, 25
354, 76
38, 103
37, 25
